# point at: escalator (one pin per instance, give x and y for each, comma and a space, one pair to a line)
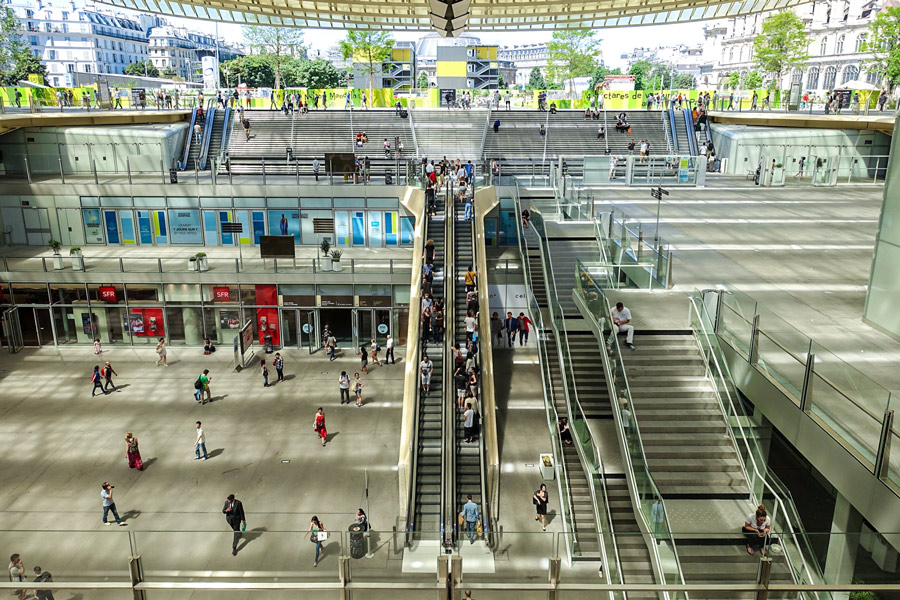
189, 142
220, 121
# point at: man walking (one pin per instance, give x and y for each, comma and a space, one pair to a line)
278, 363
389, 353
524, 327
200, 443
109, 505
470, 515
316, 166
107, 372
41, 576
202, 387
234, 516
512, 328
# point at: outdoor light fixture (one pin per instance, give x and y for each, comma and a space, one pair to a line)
449, 17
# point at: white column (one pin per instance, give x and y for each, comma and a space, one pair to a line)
846, 527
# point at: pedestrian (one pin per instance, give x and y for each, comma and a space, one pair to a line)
425, 368
265, 372
462, 380
471, 322
200, 443
278, 363
357, 389
17, 574
133, 452
317, 534
469, 516
107, 372
97, 348
524, 327
236, 519
389, 353
542, 132
512, 328
621, 317
97, 380
469, 422
109, 505
540, 500
469, 592
41, 576
18, 98
202, 387
361, 519
496, 327
363, 359
470, 278
320, 429
161, 351
316, 166
344, 386
373, 349
245, 124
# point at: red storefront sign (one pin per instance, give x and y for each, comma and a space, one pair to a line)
222, 294
108, 294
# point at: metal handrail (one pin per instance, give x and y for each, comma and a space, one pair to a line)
412, 127
182, 164
487, 124
718, 370
669, 144
448, 415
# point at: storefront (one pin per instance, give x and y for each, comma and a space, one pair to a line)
294, 315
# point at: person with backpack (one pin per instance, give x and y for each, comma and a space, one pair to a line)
107, 372
18, 98
201, 386
97, 380
133, 452
41, 576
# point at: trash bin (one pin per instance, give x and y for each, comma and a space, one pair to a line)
267, 343
388, 177
173, 176
358, 541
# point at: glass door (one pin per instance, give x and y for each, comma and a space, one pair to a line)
12, 330
44, 326
290, 328
363, 327
382, 324
312, 332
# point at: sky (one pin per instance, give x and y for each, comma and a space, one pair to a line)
615, 41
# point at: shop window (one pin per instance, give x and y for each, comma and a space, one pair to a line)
297, 295
184, 226
180, 293
407, 224
391, 228
140, 292
93, 227
335, 295
221, 294
401, 295
146, 325
106, 293
285, 222
374, 296
66, 294
30, 293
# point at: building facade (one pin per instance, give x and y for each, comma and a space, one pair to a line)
524, 59
179, 51
397, 72
837, 29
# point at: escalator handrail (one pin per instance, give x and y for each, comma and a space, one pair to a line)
448, 414
227, 127
207, 135
670, 114
182, 164
689, 128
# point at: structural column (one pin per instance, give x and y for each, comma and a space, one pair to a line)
846, 527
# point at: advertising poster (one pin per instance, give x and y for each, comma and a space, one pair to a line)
184, 226
229, 319
93, 227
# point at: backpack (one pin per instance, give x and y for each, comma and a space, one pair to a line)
198, 385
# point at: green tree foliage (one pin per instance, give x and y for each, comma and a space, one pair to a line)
641, 69
572, 53
501, 83
883, 41
16, 60
599, 74
662, 76
734, 80
536, 80
142, 69
26, 64
313, 74
781, 45
753, 80
170, 73
254, 70
369, 49
422, 80
684, 81
277, 44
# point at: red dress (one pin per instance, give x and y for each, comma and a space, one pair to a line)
320, 426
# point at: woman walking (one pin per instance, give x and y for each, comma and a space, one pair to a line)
265, 372
320, 425
316, 527
373, 350
357, 389
161, 351
540, 500
97, 380
132, 452
364, 359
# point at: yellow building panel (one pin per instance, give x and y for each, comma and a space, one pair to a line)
448, 68
486, 52
401, 54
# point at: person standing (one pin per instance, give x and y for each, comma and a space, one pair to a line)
265, 372
315, 528
315, 167
109, 505
17, 574
344, 385
512, 327
133, 452
161, 351
357, 389
319, 425
389, 353
470, 278
236, 519
469, 515
98, 349
540, 500
283, 225
469, 422
425, 368
278, 363
107, 371
41, 576
200, 443
97, 380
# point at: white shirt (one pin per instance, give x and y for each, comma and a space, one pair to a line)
426, 367
470, 324
201, 439
621, 315
429, 168
751, 521
390, 342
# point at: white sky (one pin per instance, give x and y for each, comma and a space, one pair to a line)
615, 41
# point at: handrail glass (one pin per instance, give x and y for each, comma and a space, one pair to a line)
646, 496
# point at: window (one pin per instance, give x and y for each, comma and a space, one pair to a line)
823, 47
731, 55
851, 73
70, 68
839, 48
873, 77
830, 76
65, 16
860, 42
87, 68
52, 54
812, 82
47, 27
797, 77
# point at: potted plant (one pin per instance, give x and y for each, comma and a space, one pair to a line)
192, 263
202, 261
325, 247
57, 258
336, 259
77, 258
778, 174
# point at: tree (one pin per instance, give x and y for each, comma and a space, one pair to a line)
277, 44
781, 45
143, 69
641, 69
26, 64
370, 48
734, 80
599, 74
753, 80
501, 83
883, 41
169, 72
313, 74
684, 81
536, 80
254, 70
571, 53
422, 81
10, 45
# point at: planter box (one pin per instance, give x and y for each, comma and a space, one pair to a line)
192, 265
77, 262
548, 469
326, 263
203, 264
336, 265
58, 262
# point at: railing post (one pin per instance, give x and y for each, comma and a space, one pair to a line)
264, 169
159, 264
806, 392
555, 564
720, 302
882, 457
162, 170
754, 341
765, 569
212, 171
27, 170
128, 168
136, 572
94, 165
121, 265
62, 175
345, 577
443, 577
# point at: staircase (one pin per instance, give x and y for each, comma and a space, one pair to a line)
454, 134
215, 139
564, 252
429, 439
590, 382
634, 558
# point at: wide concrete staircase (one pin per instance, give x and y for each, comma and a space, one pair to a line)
634, 557
727, 564
688, 447
454, 134
565, 251
590, 383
